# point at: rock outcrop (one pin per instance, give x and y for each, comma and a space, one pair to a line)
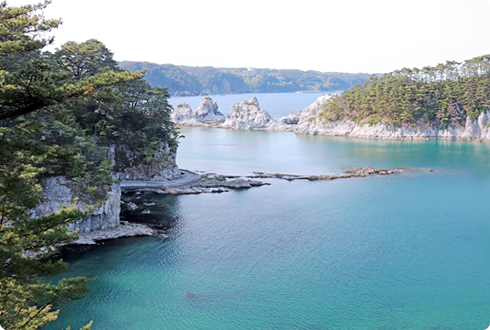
476, 130
208, 111
206, 114
248, 115
125, 229
162, 168
183, 115
57, 192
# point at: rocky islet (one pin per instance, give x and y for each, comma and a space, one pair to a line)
164, 177
248, 115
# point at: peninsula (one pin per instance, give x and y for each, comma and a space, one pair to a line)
450, 101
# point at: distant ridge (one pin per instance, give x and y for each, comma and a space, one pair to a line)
191, 80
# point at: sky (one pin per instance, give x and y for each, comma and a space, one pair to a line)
369, 36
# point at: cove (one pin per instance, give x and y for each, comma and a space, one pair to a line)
408, 251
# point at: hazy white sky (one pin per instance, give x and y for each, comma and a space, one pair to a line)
372, 36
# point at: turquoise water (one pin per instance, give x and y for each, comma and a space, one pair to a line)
278, 104
407, 251
245, 151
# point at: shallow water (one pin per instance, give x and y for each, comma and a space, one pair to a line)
407, 251
244, 151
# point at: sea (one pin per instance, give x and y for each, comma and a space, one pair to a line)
404, 251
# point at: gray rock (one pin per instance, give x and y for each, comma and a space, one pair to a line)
57, 192
182, 114
124, 230
247, 115
238, 183
132, 206
208, 111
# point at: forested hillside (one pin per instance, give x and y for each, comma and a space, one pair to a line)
444, 94
60, 112
189, 80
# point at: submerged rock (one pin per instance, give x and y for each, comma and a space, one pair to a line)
131, 206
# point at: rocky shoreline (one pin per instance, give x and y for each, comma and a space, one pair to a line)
248, 115
219, 183
125, 229
189, 183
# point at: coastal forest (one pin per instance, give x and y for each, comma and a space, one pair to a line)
442, 95
188, 80
59, 113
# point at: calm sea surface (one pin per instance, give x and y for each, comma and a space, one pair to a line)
407, 251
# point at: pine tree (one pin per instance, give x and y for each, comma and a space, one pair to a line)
34, 89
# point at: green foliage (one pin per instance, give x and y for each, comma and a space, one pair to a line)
28, 80
444, 94
169, 76
59, 114
27, 301
196, 80
132, 117
20, 28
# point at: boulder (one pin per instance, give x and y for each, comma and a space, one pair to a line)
132, 206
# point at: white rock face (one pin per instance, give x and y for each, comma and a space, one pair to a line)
244, 115
57, 192
208, 111
206, 114
247, 115
183, 115
473, 130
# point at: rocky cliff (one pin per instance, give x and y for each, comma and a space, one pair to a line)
57, 192
163, 167
248, 115
476, 130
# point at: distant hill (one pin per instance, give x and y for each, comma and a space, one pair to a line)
192, 80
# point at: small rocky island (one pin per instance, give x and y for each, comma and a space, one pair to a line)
249, 115
163, 176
